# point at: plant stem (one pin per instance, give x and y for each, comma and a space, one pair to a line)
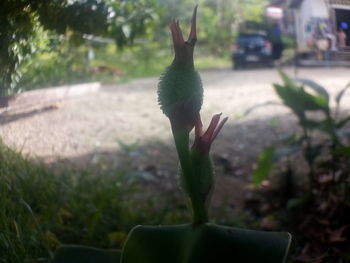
189, 181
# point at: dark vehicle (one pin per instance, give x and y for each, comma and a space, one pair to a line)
253, 48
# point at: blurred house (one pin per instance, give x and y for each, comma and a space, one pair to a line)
321, 28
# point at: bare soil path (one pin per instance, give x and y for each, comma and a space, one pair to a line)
122, 125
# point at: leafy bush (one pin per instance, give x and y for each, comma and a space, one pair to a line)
65, 63
21, 23
52, 69
330, 152
39, 209
316, 213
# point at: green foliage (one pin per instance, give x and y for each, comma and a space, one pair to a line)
67, 64
264, 165
300, 101
22, 192
252, 10
40, 210
63, 64
310, 191
130, 19
328, 155
223, 20
31, 31
22, 23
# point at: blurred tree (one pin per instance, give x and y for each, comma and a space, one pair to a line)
28, 27
22, 20
223, 20
128, 19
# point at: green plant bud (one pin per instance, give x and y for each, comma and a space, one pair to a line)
180, 95
180, 91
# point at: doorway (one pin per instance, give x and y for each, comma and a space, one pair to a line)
342, 18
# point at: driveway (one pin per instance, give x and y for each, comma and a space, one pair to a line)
122, 125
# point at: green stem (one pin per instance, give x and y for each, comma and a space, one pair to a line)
310, 163
199, 208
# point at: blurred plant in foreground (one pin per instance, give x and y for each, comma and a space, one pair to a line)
318, 212
326, 155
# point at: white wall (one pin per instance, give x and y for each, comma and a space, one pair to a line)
319, 8
308, 9
303, 15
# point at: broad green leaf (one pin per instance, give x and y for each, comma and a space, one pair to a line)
81, 254
300, 101
321, 102
205, 243
296, 98
315, 86
264, 166
286, 79
288, 98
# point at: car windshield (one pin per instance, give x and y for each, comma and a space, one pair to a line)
250, 39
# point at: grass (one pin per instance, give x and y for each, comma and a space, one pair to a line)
109, 65
147, 61
40, 210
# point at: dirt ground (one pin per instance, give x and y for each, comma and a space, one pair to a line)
122, 126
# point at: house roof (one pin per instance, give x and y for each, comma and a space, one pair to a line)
297, 3
290, 3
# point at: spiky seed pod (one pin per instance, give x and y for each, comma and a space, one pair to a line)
180, 95
180, 91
